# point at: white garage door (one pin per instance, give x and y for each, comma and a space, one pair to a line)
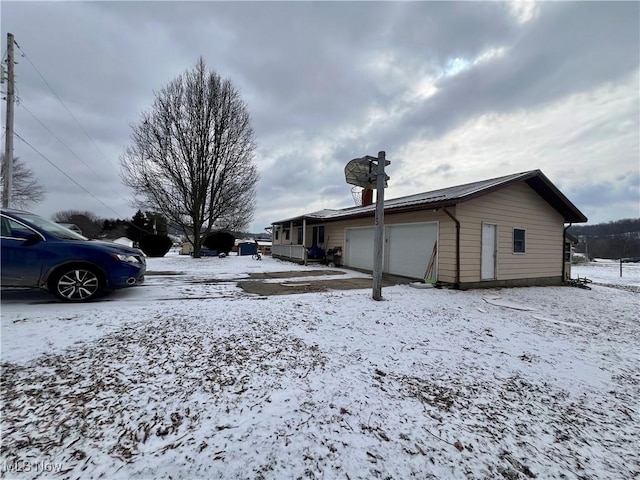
359, 247
410, 248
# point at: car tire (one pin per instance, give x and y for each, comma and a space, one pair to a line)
76, 284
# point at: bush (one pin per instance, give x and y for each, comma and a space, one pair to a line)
220, 241
155, 245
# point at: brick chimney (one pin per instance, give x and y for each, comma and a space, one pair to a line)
367, 197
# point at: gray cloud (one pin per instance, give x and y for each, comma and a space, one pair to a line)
571, 48
326, 82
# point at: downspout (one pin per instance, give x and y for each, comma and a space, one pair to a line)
564, 241
457, 222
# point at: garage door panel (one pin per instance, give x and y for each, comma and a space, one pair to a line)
360, 248
409, 249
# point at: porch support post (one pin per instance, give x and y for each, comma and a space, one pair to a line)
304, 232
304, 238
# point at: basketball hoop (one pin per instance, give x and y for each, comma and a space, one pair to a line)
362, 172
356, 193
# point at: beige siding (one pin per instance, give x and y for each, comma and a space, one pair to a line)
335, 235
517, 206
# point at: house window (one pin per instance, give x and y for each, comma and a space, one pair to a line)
286, 234
318, 235
299, 235
277, 233
518, 240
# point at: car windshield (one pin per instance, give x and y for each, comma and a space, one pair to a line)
53, 228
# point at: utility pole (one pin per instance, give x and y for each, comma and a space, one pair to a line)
8, 146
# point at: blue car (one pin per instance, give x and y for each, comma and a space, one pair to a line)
37, 253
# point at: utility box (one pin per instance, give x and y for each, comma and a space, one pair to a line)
247, 248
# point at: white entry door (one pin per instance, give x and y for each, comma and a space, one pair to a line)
359, 248
489, 250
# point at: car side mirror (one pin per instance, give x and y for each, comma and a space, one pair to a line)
31, 240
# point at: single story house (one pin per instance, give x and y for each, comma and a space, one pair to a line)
505, 231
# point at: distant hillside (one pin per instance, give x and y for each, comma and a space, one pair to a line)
258, 236
619, 239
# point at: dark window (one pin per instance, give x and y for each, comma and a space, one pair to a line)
318, 235
277, 234
299, 235
286, 234
518, 240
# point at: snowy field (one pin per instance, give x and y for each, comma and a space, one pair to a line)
189, 377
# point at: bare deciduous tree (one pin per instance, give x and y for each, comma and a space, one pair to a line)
191, 157
25, 189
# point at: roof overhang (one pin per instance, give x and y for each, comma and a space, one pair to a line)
534, 179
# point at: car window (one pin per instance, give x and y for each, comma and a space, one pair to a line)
5, 231
53, 228
13, 229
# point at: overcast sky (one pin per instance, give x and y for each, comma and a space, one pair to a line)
453, 92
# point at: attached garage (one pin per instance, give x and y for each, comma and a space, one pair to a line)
408, 249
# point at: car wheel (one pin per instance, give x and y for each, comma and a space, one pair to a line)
78, 284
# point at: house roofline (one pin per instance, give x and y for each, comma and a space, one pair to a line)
534, 179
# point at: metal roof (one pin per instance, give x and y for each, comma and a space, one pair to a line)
452, 195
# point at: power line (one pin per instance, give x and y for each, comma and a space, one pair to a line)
65, 145
66, 175
24, 55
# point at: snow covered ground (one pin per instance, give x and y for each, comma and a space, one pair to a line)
607, 272
189, 377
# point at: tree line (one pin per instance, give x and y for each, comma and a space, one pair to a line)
92, 226
617, 239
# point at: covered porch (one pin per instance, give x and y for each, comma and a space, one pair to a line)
302, 239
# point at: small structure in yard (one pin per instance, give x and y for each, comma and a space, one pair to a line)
264, 247
124, 241
505, 231
187, 248
247, 248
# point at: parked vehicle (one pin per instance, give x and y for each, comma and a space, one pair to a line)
631, 260
38, 253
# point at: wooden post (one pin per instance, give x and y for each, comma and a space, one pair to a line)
378, 239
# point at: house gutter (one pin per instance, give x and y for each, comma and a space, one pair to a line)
457, 222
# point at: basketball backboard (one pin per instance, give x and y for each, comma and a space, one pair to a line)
362, 172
